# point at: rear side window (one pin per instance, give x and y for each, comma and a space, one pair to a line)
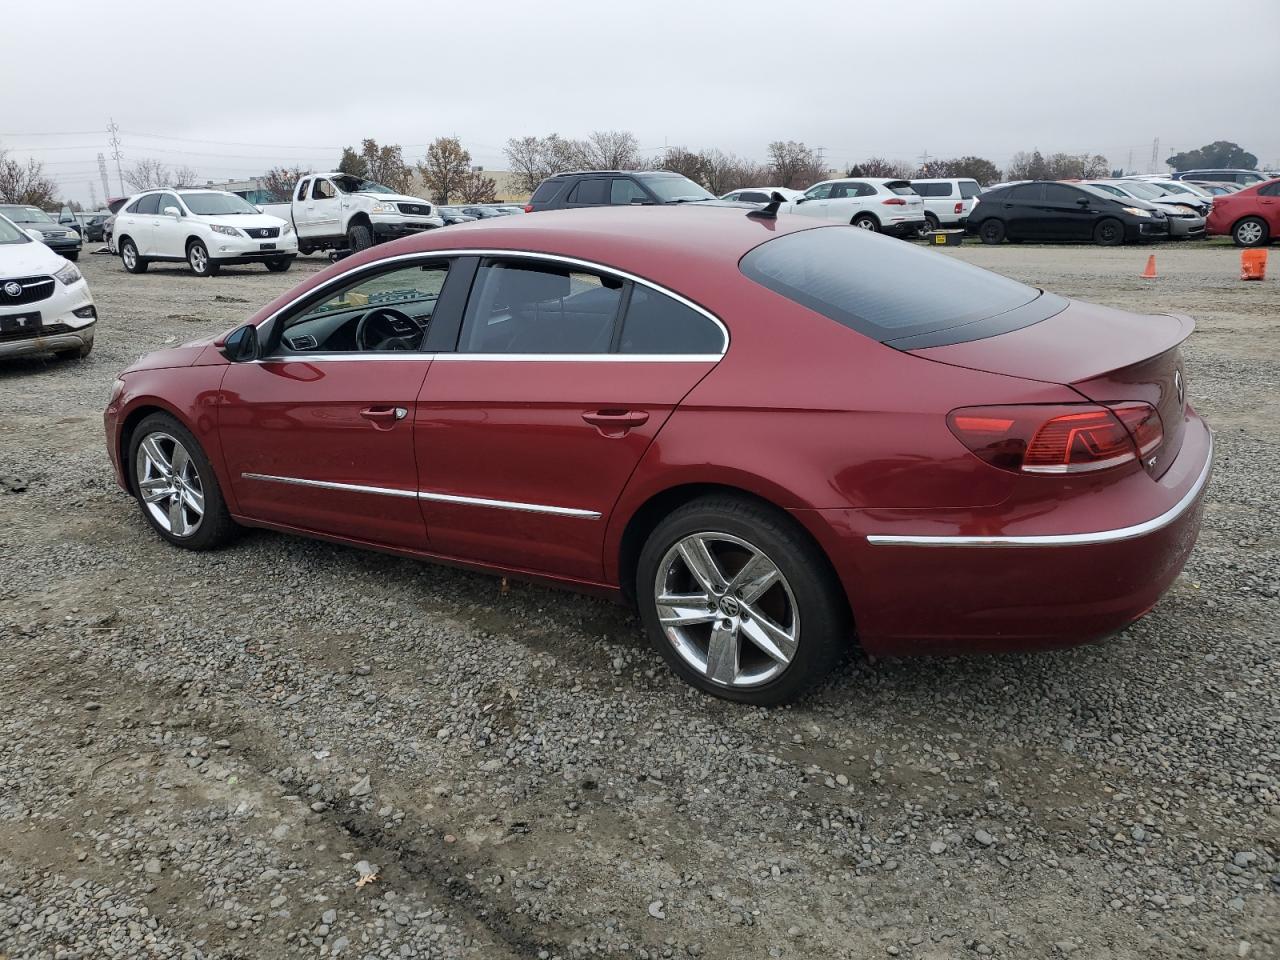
969, 189
546, 190
656, 323
540, 308
751, 196
932, 189
884, 290
1057, 193
148, 204
302, 189
1270, 190
1030, 192
594, 191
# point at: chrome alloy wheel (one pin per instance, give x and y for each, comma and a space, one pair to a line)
169, 484
727, 609
198, 257
130, 256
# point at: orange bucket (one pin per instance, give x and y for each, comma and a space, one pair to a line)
1253, 264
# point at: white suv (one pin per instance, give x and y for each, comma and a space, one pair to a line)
947, 202
872, 203
206, 228
45, 306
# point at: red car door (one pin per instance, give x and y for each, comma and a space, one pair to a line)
1269, 206
527, 433
318, 435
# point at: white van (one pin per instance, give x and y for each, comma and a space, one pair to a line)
947, 203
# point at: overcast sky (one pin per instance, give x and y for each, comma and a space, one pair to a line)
231, 88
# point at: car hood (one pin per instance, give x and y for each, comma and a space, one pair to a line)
182, 356
394, 198
245, 221
28, 259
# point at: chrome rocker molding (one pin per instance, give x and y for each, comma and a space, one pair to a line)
434, 497
1062, 539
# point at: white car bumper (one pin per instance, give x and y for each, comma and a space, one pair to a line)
225, 249
64, 319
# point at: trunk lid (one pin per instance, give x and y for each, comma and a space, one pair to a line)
1106, 355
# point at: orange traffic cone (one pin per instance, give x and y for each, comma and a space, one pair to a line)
1150, 272
1253, 264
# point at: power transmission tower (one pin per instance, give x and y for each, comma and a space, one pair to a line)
1155, 155
1129, 166
924, 162
93, 196
102, 172
113, 128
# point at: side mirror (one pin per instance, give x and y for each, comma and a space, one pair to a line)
241, 344
258, 207
35, 234
173, 212
1083, 201
801, 199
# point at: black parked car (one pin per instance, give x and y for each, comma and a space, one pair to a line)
1048, 210
452, 215
93, 229
599, 188
57, 238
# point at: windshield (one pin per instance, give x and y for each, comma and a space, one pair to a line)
9, 233
1106, 188
676, 189
1139, 189
350, 184
217, 204
26, 214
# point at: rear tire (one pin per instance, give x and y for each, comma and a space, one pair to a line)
866, 221
1251, 232
202, 265
929, 226
133, 263
802, 611
1109, 233
359, 237
208, 529
279, 264
991, 231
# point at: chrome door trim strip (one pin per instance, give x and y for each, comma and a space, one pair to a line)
515, 505
510, 357
347, 277
331, 485
1063, 539
510, 505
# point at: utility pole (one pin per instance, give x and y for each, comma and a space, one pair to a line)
821, 164
102, 172
1129, 166
113, 128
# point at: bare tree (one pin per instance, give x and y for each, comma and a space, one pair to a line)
444, 168
610, 150
794, 164
183, 177
686, 162
25, 182
725, 171
475, 187
1057, 166
971, 168
147, 174
280, 181
533, 159
880, 167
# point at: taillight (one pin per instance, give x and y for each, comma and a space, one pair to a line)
960, 207
528, 208
894, 202
1063, 438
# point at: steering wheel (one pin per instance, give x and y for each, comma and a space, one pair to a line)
378, 322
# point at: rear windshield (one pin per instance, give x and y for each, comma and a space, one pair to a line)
901, 188
969, 189
883, 288
546, 190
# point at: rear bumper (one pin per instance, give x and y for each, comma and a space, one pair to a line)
916, 591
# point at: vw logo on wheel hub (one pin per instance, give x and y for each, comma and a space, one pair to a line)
730, 607
13, 289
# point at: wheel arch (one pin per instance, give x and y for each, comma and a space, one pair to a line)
129, 425
866, 213
359, 219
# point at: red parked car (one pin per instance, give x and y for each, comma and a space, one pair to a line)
771, 435
1251, 217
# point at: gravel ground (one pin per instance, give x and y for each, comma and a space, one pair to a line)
292, 749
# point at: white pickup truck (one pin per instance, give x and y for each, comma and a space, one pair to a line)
338, 211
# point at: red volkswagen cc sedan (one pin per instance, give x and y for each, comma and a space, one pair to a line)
772, 435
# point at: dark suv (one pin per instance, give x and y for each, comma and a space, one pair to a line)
601, 188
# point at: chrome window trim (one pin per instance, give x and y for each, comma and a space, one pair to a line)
345, 278
1062, 539
514, 505
304, 357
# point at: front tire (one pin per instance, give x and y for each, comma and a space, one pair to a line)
991, 231
1251, 232
740, 602
129, 257
176, 486
359, 237
202, 265
73, 256
279, 264
866, 221
1109, 233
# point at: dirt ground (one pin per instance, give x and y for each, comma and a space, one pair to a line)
288, 748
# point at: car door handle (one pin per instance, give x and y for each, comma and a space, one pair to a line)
616, 418
384, 417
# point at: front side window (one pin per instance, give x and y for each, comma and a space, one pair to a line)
624, 190
389, 311
169, 200
323, 190
820, 192
518, 307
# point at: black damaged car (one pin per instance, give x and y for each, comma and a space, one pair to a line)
1054, 211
